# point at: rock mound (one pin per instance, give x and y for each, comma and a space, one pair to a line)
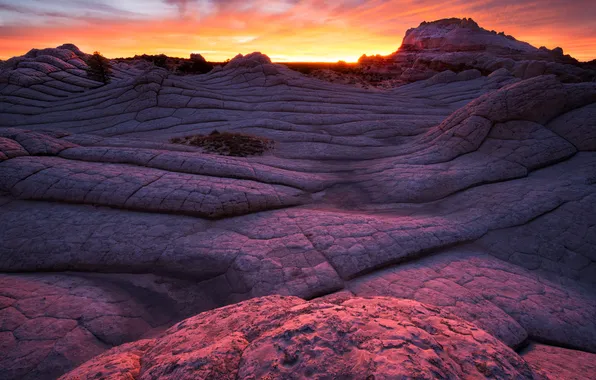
249, 60
285, 337
461, 44
458, 35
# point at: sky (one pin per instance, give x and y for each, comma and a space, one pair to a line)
285, 30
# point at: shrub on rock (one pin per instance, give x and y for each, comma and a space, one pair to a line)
99, 68
196, 65
228, 144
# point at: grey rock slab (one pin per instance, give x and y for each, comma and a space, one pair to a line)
577, 126
562, 241
312, 240
526, 143
107, 240
506, 300
123, 186
36, 143
195, 163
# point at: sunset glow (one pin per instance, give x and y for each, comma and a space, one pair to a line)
286, 30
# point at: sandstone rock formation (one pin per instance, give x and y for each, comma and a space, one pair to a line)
285, 337
457, 45
567, 364
471, 194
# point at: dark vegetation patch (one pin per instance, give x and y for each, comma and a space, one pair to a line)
99, 68
194, 67
344, 68
440, 66
308, 67
227, 143
196, 64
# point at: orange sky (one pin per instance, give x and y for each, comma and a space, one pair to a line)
286, 30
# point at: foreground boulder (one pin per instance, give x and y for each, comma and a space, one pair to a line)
285, 337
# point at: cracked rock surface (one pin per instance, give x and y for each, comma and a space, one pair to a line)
275, 337
567, 364
474, 197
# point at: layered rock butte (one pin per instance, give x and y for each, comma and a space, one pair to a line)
442, 229
461, 44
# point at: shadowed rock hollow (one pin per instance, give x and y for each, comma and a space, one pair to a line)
470, 202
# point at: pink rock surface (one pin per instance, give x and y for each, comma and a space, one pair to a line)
561, 363
52, 323
285, 337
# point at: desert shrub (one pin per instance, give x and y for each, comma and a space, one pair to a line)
227, 143
304, 70
160, 60
195, 66
99, 68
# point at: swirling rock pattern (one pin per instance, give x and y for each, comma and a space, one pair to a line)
473, 196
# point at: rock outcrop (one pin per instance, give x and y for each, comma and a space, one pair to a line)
286, 337
471, 194
461, 44
567, 364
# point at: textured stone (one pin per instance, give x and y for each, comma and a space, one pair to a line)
53, 322
277, 338
560, 363
364, 192
505, 300
578, 127
462, 45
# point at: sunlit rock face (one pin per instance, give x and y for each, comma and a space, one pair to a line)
468, 199
460, 35
286, 337
461, 44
